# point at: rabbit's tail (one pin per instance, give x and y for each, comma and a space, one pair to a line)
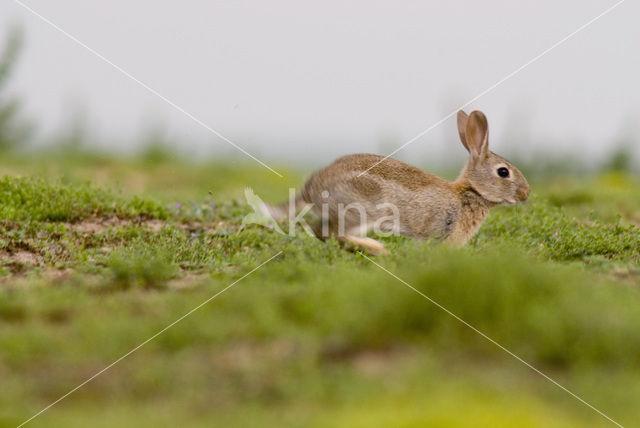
284, 210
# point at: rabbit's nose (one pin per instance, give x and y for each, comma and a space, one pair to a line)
522, 193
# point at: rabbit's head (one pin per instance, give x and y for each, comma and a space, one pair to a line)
492, 176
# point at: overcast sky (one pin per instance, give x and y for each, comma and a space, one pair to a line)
294, 80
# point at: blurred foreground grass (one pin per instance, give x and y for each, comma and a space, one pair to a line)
98, 253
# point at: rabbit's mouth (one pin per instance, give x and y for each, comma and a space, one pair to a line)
514, 201
523, 194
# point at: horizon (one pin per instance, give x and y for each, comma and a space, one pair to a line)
304, 99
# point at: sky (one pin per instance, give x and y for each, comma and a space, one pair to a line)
306, 82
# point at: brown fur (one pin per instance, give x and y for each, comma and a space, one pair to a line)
429, 206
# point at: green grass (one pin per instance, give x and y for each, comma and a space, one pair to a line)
34, 199
319, 336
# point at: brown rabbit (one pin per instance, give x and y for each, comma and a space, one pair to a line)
363, 192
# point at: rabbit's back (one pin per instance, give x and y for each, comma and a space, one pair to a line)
376, 166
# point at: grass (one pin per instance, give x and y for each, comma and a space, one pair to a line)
32, 199
319, 336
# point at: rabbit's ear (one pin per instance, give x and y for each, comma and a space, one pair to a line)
462, 127
477, 134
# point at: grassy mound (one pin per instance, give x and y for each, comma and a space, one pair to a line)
319, 336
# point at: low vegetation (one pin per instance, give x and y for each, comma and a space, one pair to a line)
319, 336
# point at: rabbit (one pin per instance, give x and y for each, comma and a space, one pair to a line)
361, 192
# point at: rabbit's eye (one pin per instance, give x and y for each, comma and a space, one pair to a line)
503, 172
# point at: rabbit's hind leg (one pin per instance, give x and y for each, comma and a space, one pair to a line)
369, 245
355, 237
352, 239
